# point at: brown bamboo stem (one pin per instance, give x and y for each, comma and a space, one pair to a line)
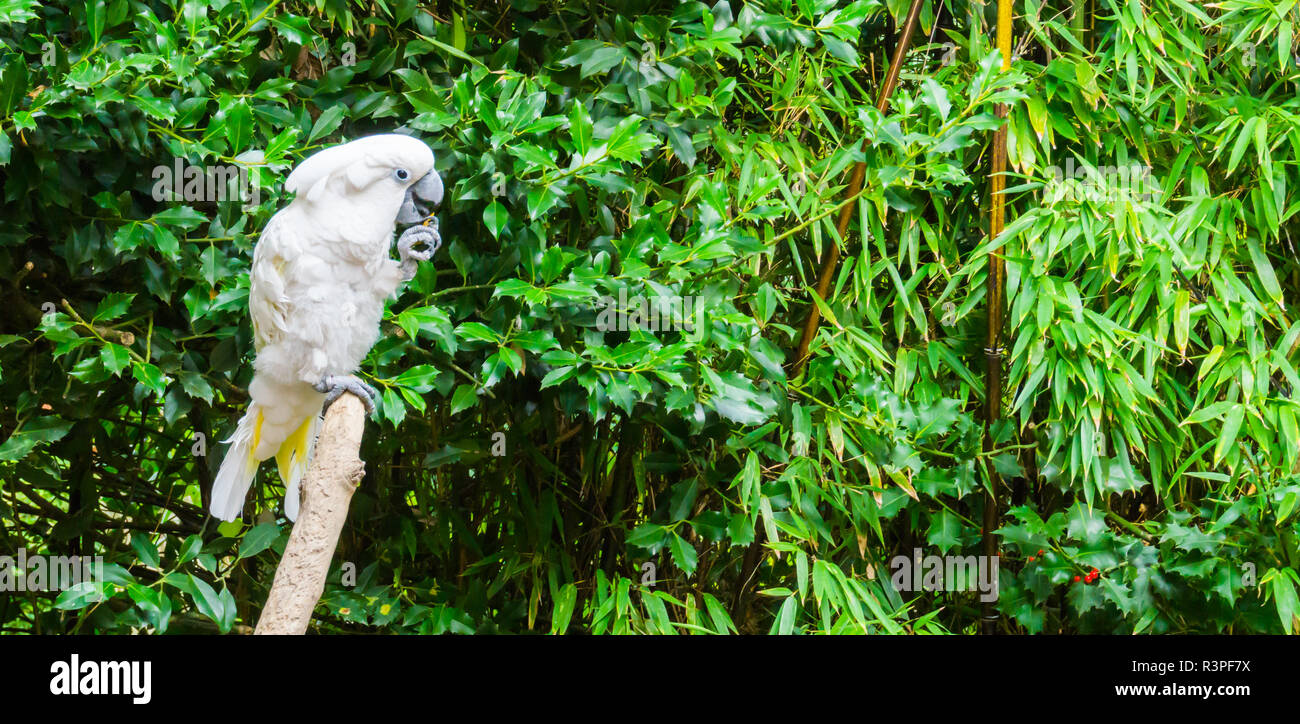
752, 557
831, 262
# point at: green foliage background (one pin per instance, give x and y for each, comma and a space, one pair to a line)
658, 149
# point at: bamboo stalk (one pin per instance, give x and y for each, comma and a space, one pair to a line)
752, 557
831, 262
1081, 23
996, 292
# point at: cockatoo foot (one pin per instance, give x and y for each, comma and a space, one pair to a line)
413, 237
335, 385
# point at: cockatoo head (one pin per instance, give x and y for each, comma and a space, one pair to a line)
388, 177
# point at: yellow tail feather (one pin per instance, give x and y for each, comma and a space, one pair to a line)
293, 450
257, 437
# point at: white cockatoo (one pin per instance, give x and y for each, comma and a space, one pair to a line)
321, 272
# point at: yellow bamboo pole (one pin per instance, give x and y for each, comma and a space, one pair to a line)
996, 292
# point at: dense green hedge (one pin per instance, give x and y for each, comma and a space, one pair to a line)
528, 461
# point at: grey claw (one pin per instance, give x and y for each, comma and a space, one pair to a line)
335, 385
418, 234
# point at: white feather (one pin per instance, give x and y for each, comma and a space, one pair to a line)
237, 470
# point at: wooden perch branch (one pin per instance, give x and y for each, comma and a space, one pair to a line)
327, 489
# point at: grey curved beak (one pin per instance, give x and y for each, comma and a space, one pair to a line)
427, 189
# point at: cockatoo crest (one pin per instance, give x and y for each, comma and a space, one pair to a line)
368, 170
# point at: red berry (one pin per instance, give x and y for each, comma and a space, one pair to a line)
1031, 559
1040, 551
1076, 579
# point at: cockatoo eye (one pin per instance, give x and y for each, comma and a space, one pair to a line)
401, 174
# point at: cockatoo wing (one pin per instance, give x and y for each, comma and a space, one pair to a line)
267, 302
